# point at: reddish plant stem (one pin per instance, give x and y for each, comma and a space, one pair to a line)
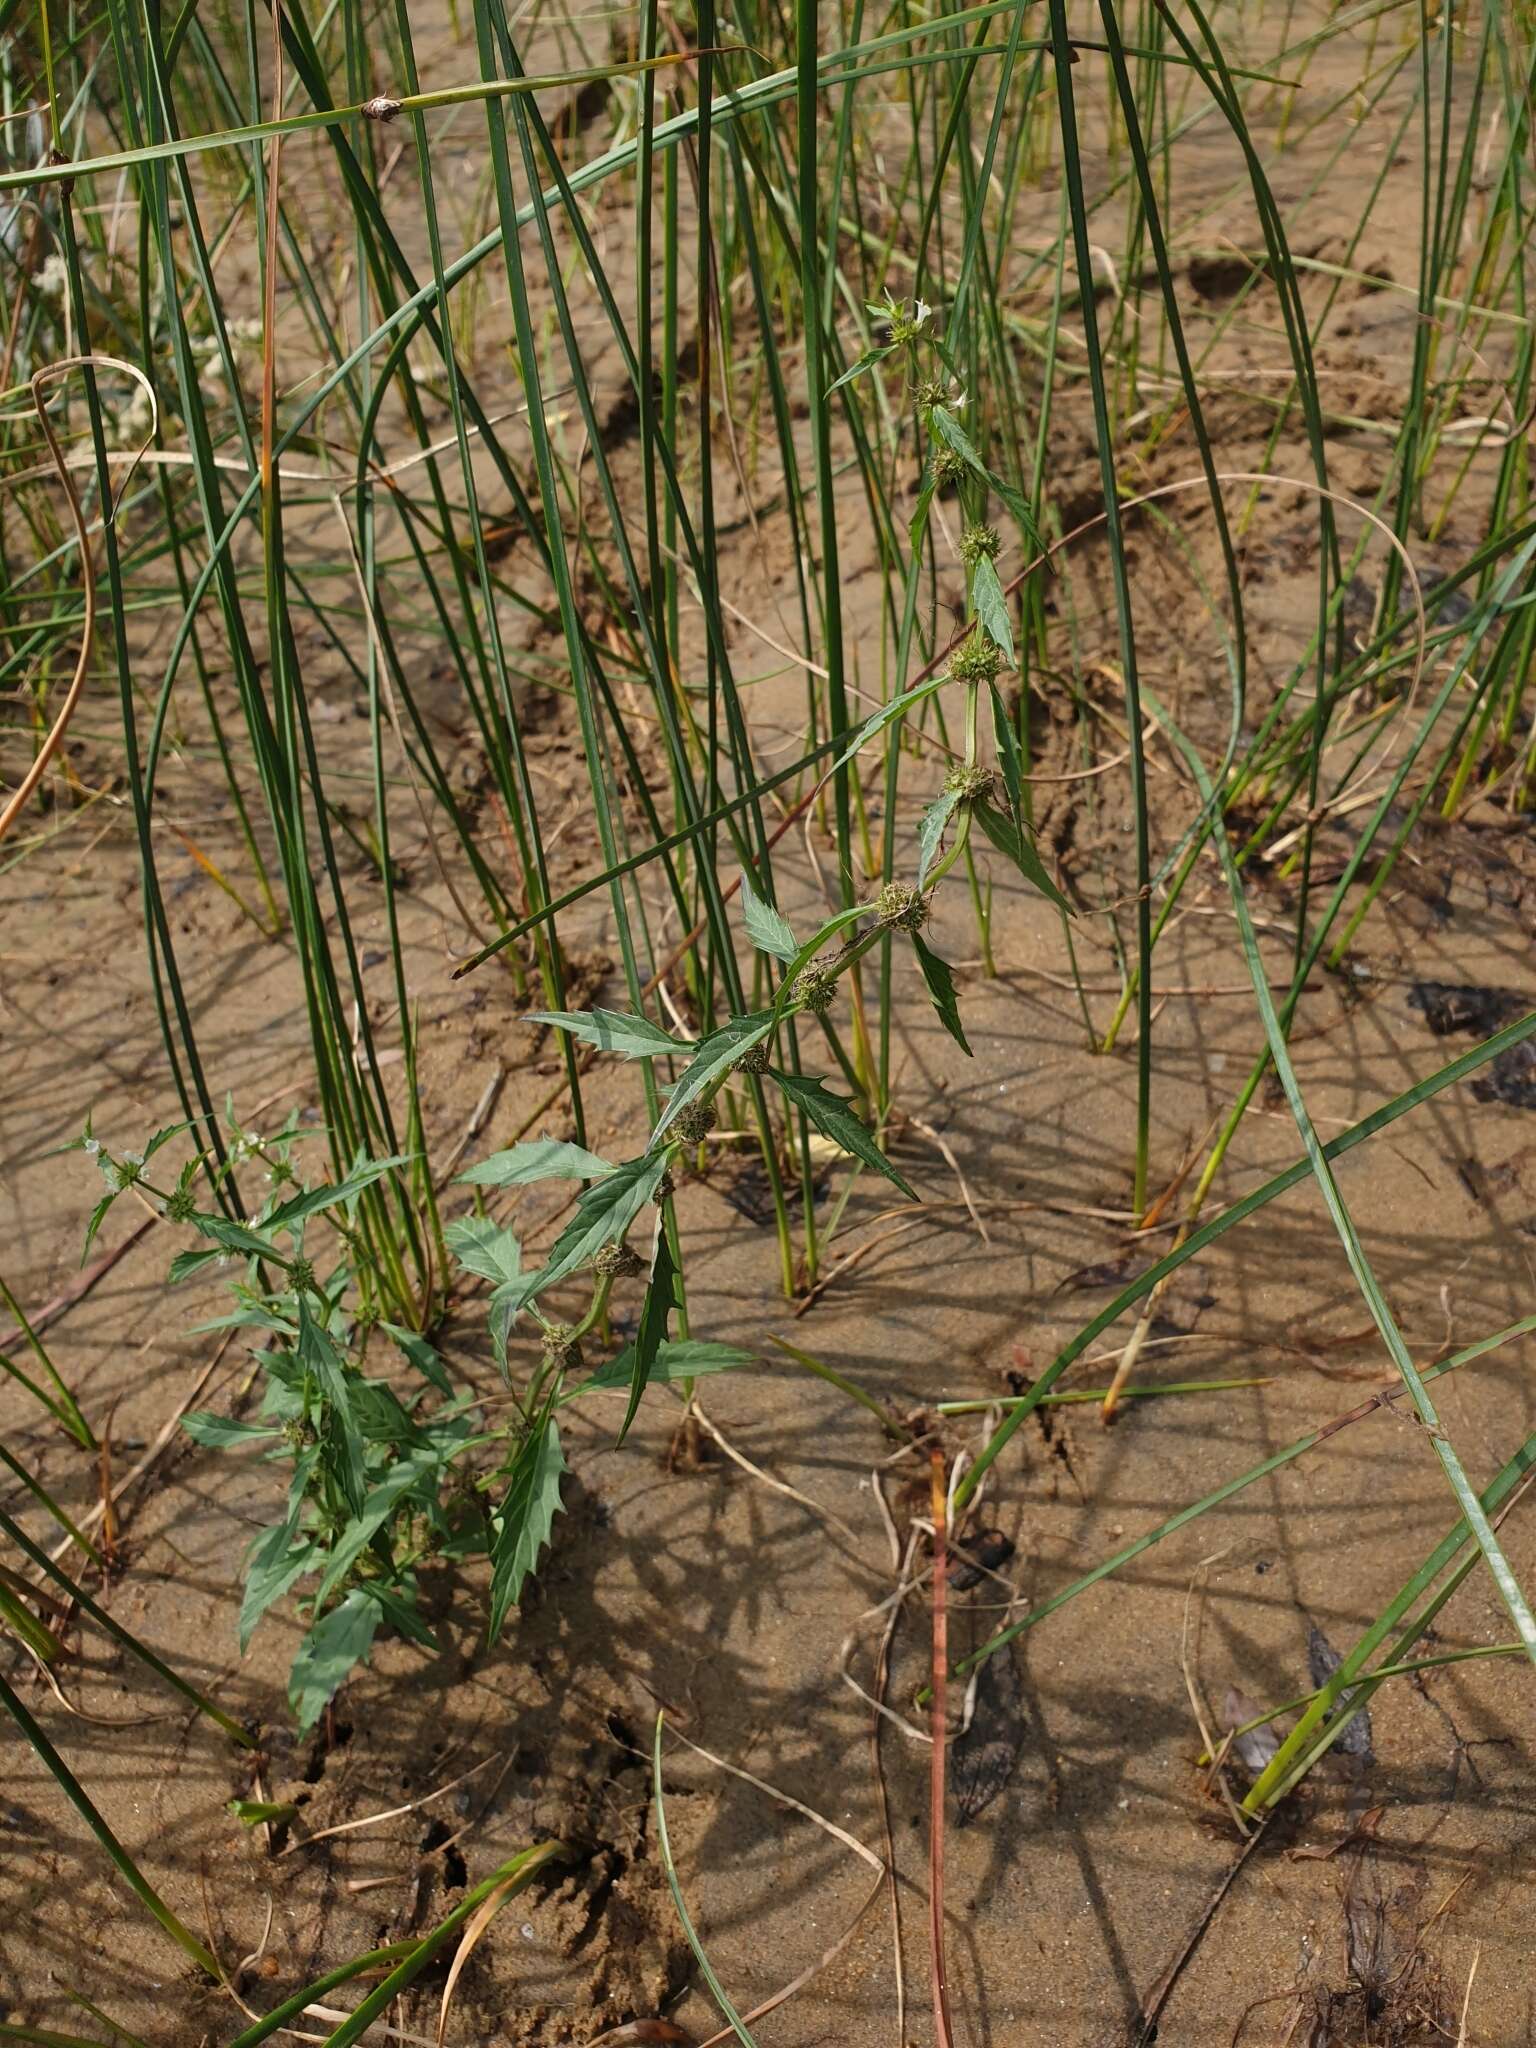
941, 2029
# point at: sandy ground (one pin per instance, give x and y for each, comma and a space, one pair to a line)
712, 1593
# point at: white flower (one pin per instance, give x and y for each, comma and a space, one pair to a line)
924, 312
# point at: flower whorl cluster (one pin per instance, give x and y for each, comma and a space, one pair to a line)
901, 908
969, 781
979, 543
814, 990
976, 660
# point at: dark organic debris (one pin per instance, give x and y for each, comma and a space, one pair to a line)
637, 2032
1180, 1305
969, 1562
1393, 1990
1466, 1007
981, 1760
1323, 1660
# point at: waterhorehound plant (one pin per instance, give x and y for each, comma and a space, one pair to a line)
745, 1053
379, 1483
382, 1482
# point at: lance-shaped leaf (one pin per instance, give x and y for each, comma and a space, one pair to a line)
767, 930
713, 1058
1006, 836
655, 1320
686, 1358
275, 1563
867, 361
886, 715
97, 1218
235, 1237
1009, 757
941, 986
525, 1518
931, 830
491, 1251
421, 1354
319, 1356
991, 607
835, 1120
337, 1641
1023, 517
314, 1200
950, 431
218, 1432
611, 1031
604, 1213
400, 1612
542, 1159
484, 1247
917, 527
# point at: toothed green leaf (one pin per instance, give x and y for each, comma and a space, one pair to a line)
941, 986
525, 1518
767, 930
835, 1120
611, 1031
541, 1159
992, 607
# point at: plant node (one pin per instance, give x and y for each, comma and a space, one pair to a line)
616, 1261
900, 325
976, 660
753, 1061
301, 1274
969, 781
694, 1123
562, 1351
180, 1206
978, 543
949, 466
903, 909
814, 990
